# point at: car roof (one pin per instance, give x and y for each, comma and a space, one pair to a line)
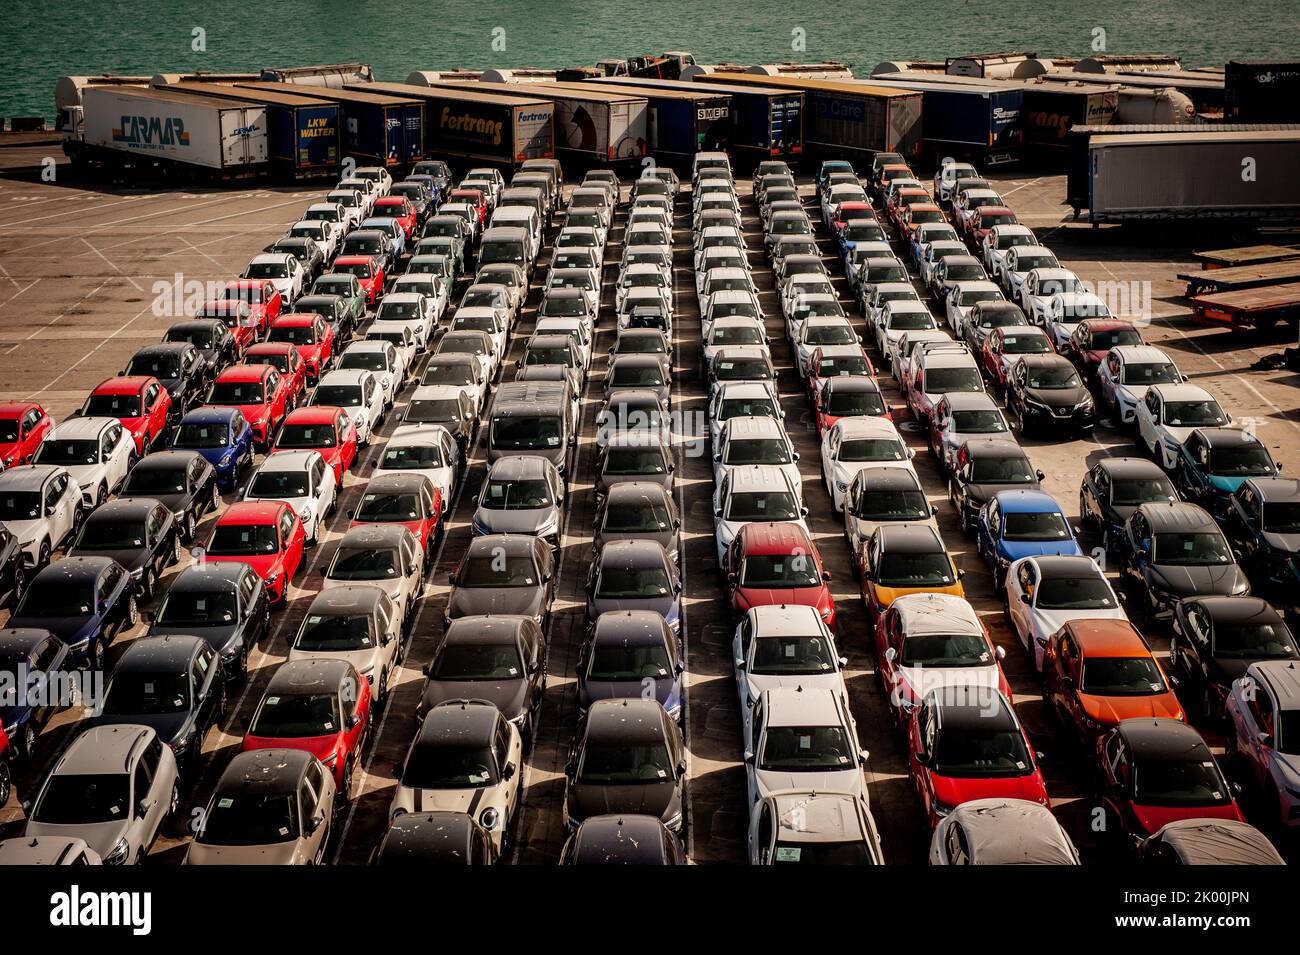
487, 629
994, 448
867, 426
88, 567
1139, 353
853, 383
754, 426
1107, 638
929, 613
1177, 516
103, 750
123, 385
1026, 501
971, 401
909, 539
970, 707
21, 639
1228, 437
348, 600
289, 461
311, 676
252, 512
400, 482
517, 467
638, 552
1058, 566
201, 578
371, 536
1282, 677
151, 654
625, 721
633, 627
757, 477
80, 427
1163, 739
123, 508
262, 772
782, 620
1129, 467
1276, 489
800, 706
167, 460
510, 544
247, 372
1182, 392
775, 537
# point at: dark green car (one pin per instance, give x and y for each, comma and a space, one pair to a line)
347, 287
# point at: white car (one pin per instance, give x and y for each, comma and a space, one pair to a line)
417, 312
785, 645
946, 176
431, 287
758, 492
971, 200
578, 329
644, 275
805, 737
352, 203
1126, 373
357, 392
925, 234
365, 190
378, 175
1046, 593
716, 237
962, 297
1041, 286
723, 304
754, 440
934, 254
388, 556
335, 213
1168, 414
822, 334
897, 318
97, 452
303, 480
1065, 310
740, 399
873, 305
380, 357
359, 624
469, 373
962, 417
797, 288
733, 330
401, 340
486, 320
725, 280
432, 778
583, 237
906, 348
1019, 262
40, 504
999, 240
427, 449
324, 233
719, 257
856, 443
282, 270
1001, 831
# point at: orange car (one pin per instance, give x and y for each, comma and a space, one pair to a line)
1099, 672
905, 559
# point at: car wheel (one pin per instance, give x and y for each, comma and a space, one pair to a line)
187, 531
101, 494
349, 768
20, 583
177, 547
174, 803
147, 583
27, 743
43, 557
6, 783
96, 652
132, 611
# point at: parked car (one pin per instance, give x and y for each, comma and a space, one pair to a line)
84, 601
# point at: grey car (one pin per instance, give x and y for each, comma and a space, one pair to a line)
522, 495
633, 458
630, 654
639, 510
225, 603
634, 575
639, 372
503, 574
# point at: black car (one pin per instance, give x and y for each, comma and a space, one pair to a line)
334, 310
223, 602
418, 197
370, 242
1216, 639
630, 653
629, 839
181, 481
1263, 524
435, 838
1114, 488
181, 368
210, 336
983, 467
457, 415
138, 532
84, 601
13, 570
172, 684
303, 249
34, 659
1045, 392
633, 458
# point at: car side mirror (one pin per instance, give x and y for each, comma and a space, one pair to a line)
891, 654
1041, 475
826, 575
353, 720
570, 768
1068, 683
315, 822
508, 771
451, 578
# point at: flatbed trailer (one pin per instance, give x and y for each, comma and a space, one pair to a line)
1246, 255
1261, 307
1241, 277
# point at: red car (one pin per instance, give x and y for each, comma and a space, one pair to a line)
237, 316
264, 300
1003, 346
966, 743
322, 706
1157, 771
476, 196
321, 428
313, 337
259, 391
402, 497
267, 536
23, 426
908, 196
399, 208
777, 563
847, 397
285, 359
847, 212
140, 402
983, 220
823, 368
368, 272
1093, 337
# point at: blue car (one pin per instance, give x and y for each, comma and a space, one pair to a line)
33, 658
1015, 524
221, 436
84, 601
1263, 524
1214, 462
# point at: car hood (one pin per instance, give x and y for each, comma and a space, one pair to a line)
71, 630
1064, 548
319, 746
169, 726
99, 836
1224, 484
1286, 542
507, 695
652, 799
85, 474
1057, 397
982, 492
953, 791
468, 800
528, 521
846, 780
466, 601
1154, 818
1221, 580
173, 502
666, 539
1109, 710
663, 606
276, 853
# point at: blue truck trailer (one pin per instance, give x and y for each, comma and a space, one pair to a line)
304, 134
972, 119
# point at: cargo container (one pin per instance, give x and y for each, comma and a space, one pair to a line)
1175, 175
970, 118
1127, 63
681, 122
377, 130
480, 125
304, 133
1204, 89
591, 126
987, 65
136, 126
765, 121
847, 118
1257, 91
331, 74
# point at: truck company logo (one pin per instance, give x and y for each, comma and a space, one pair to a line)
317, 127
1048, 122
1004, 115
717, 112
467, 123
827, 107
526, 118
151, 132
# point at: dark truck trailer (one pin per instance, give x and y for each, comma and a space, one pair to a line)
973, 119
766, 122
1258, 91
304, 134
681, 123
1205, 90
480, 125
1193, 175
846, 118
377, 130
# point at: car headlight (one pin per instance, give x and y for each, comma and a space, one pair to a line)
271, 581
841, 485
138, 574
119, 852
1085, 404
305, 514
674, 822
331, 760
940, 809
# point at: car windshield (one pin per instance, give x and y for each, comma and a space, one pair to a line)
296, 716
112, 406
806, 749
1150, 373
497, 570
1002, 318
517, 495
632, 583
47, 598
781, 656
147, 693
944, 380
432, 410
957, 272
1190, 549
892, 505
1179, 782
1009, 470
502, 251
325, 285
623, 375
110, 535
1074, 593
829, 334
335, 633
243, 540
249, 820
986, 753
236, 393
621, 661
55, 451
526, 432
447, 373
477, 661
1027, 263
914, 570
737, 335
1037, 526
978, 422
1128, 336
267, 270
143, 481
1193, 414
293, 334
72, 799
1282, 517
559, 307
625, 764
779, 571
640, 517
538, 355
629, 461
337, 396
822, 853
1052, 377
306, 436
1027, 344
360, 269
157, 367
364, 564
741, 451
1012, 241
279, 484
854, 403
410, 457
388, 506
946, 650
190, 608
1121, 676
1130, 492
910, 321
859, 450
844, 366
1247, 460
762, 506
